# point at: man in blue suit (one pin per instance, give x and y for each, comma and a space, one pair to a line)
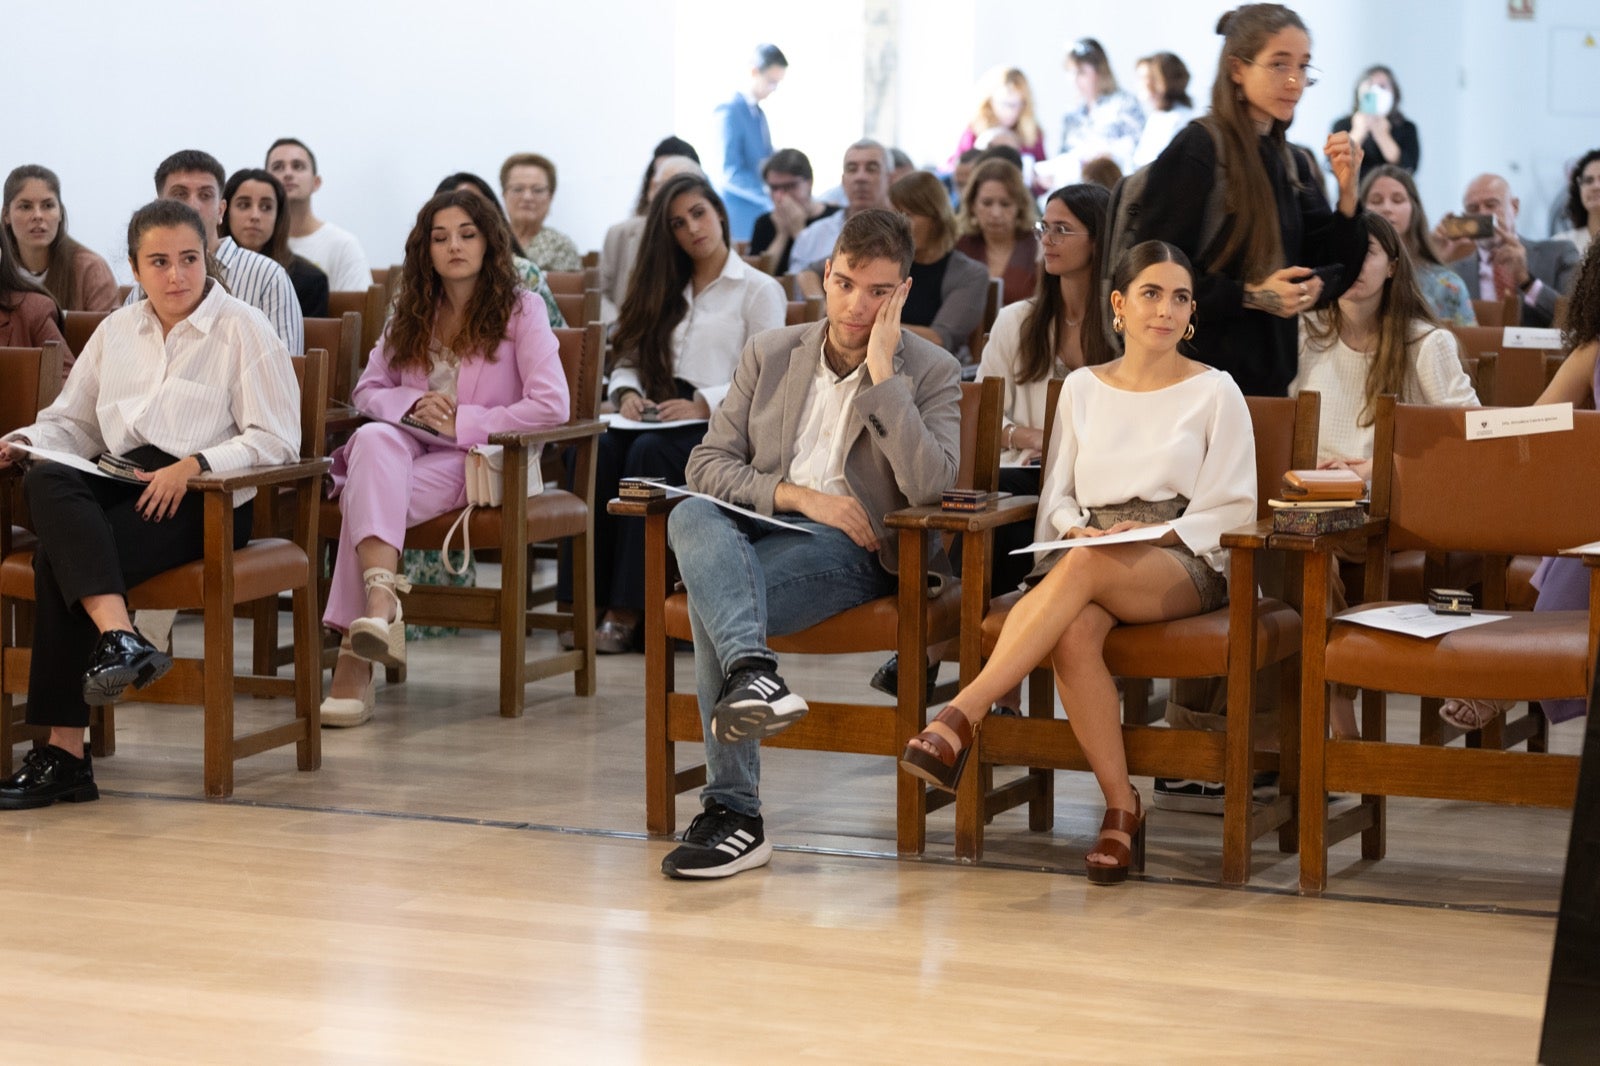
746, 142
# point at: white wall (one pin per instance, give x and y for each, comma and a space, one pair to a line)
393, 96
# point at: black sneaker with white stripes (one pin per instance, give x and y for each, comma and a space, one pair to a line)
755, 703
718, 843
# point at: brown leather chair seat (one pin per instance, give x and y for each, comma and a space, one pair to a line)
553, 513
260, 569
1520, 593
1527, 656
872, 626
1187, 647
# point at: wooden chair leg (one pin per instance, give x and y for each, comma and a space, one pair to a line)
1042, 704
583, 620
1314, 729
264, 637
1375, 727
660, 766
307, 678
217, 684
1289, 753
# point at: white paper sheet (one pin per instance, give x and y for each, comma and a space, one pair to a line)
77, 462
1519, 421
1415, 620
616, 421
1127, 536
1531, 337
1591, 548
679, 490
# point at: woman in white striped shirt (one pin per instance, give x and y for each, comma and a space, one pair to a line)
1379, 338
184, 382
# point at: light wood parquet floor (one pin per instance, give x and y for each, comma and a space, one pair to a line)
454, 887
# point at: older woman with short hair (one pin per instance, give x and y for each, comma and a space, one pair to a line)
528, 182
947, 287
996, 221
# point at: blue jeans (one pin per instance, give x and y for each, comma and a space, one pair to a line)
746, 580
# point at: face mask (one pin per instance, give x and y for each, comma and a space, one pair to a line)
1377, 100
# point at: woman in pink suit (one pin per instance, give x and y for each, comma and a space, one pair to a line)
467, 353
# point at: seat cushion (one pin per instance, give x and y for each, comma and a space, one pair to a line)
1520, 593
871, 626
261, 568
1184, 647
1529, 655
551, 514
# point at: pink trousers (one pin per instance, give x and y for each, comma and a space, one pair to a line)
386, 480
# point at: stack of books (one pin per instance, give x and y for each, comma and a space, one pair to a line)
641, 488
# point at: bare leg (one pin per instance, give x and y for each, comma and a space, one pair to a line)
351, 673
375, 553
1134, 582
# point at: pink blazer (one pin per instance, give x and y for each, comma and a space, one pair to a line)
522, 388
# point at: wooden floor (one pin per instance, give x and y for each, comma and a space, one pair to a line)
454, 887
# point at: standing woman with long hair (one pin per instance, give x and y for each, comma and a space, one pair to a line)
692, 306
1005, 102
1391, 193
256, 215
467, 353
33, 231
1256, 277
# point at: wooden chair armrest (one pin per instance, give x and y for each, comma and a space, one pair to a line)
342, 417
257, 476
1369, 530
643, 508
1008, 511
574, 430
1252, 536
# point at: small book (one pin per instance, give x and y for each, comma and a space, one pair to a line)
642, 488
1323, 485
115, 466
1309, 522
968, 500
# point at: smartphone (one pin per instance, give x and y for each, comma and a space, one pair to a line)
1467, 227
1369, 102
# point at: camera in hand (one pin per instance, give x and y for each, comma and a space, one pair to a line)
1467, 227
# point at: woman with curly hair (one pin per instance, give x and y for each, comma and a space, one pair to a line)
1563, 583
1583, 201
467, 353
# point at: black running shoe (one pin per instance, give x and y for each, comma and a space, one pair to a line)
718, 843
755, 703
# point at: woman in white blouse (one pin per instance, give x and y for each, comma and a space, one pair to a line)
1379, 338
1150, 439
184, 382
691, 307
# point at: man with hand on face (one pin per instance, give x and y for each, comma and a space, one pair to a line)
336, 251
788, 178
866, 185
832, 424
196, 178
1536, 271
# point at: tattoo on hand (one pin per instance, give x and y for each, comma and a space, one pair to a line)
1264, 300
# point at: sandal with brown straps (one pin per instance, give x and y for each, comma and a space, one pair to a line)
1118, 820
1473, 714
941, 770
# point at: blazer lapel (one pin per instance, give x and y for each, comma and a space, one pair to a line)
467, 380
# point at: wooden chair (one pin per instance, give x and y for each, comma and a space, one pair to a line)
1434, 490
389, 278
1559, 318
1504, 376
905, 623
1498, 313
993, 298
341, 339
591, 261
1234, 642
215, 583
373, 307
579, 309
554, 514
80, 326
572, 282
811, 309
31, 379
122, 294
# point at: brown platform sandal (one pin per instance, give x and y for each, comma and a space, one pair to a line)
1119, 821
940, 770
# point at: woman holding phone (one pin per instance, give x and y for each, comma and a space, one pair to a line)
1385, 135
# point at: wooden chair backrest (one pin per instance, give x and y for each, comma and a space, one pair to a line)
981, 417
1285, 429
572, 282
311, 371
80, 327
341, 339
372, 305
1559, 318
582, 356
1520, 495
579, 309
32, 379
799, 312
1506, 312
993, 295
1502, 376
591, 261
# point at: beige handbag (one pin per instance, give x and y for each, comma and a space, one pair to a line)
485, 476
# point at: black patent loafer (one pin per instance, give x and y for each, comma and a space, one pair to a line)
887, 679
49, 775
122, 658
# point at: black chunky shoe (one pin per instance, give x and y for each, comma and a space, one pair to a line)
49, 775
122, 658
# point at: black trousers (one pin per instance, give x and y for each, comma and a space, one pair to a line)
1007, 570
92, 542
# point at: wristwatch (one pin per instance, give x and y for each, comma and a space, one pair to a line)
205, 467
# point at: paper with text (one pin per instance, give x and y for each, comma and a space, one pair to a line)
1519, 421
724, 504
616, 421
77, 462
1415, 620
1531, 337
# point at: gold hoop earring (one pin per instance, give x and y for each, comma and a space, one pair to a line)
1188, 334
1116, 323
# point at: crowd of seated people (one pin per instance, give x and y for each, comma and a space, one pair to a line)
1247, 279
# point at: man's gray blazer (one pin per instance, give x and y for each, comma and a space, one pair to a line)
1554, 263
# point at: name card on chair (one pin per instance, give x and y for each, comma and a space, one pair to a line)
1531, 337
1519, 421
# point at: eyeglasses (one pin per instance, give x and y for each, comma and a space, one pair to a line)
1055, 232
1305, 73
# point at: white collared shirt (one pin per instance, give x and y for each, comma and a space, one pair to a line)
220, 383
819, 446
261, 283
739, 303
